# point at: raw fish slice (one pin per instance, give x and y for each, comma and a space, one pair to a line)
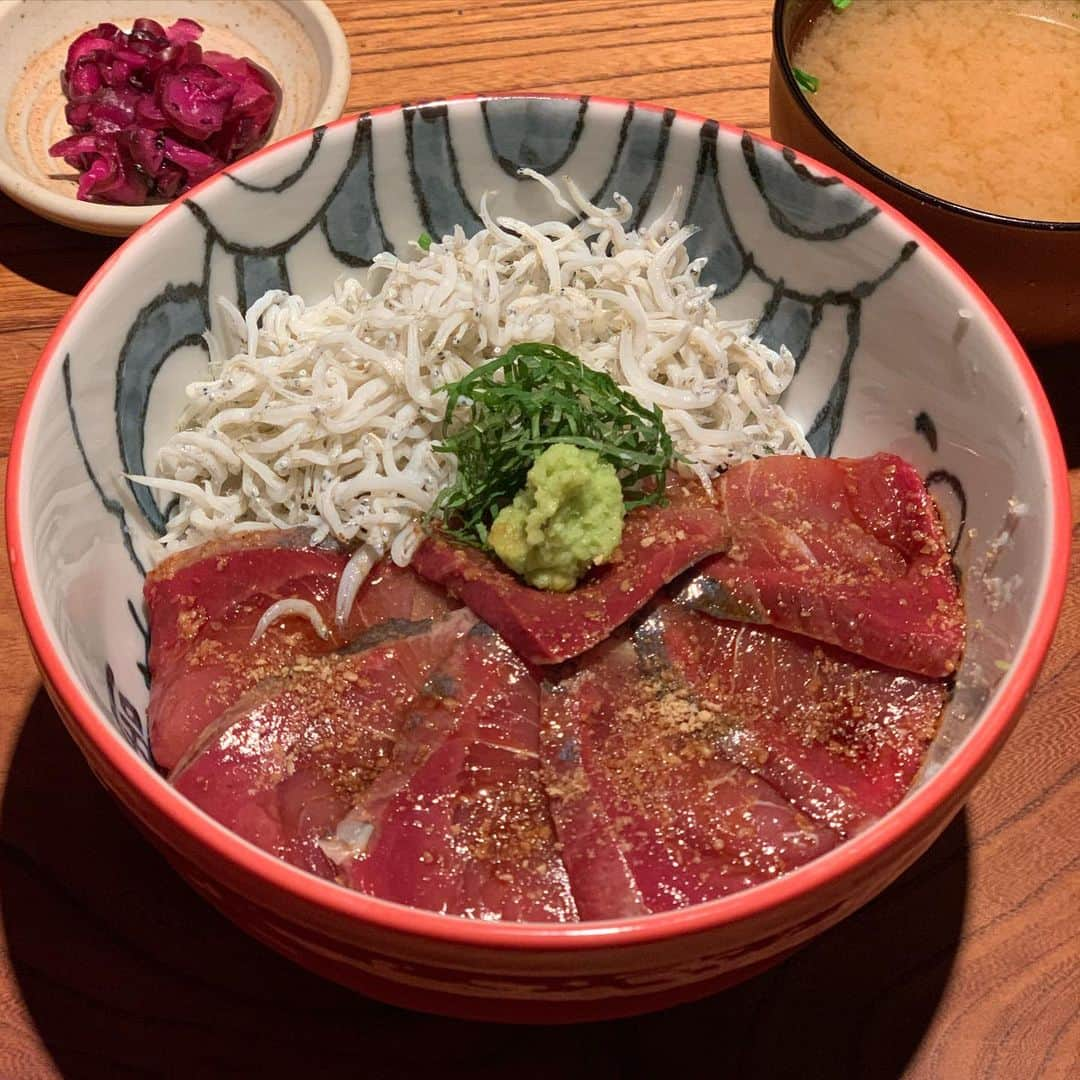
205, 603
840, 737
603, 884
459, 822
847, 551
658, 544
393, 592
285, 764
691, 825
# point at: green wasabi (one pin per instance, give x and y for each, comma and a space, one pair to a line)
568, 518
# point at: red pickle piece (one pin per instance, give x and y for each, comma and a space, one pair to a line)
153, 114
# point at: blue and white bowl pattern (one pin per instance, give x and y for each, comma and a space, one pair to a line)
893, 351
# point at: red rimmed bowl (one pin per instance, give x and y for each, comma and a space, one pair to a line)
893, 341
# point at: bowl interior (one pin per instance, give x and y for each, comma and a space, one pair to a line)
895, 350
292, 41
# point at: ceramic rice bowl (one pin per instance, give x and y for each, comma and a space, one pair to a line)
897, 350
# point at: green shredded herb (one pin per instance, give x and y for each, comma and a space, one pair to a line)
841, 4
503, 415
809, 83
424, 240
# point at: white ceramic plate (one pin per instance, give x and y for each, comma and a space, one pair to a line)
298, 41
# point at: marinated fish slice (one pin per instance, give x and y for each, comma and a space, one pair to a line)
846, 551
840, 737
658, 544
603, 884
690, 824
284, 765
205, 604
459, 820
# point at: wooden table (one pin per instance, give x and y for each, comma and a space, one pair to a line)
110, 967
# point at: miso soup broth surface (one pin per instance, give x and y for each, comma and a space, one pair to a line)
976, 101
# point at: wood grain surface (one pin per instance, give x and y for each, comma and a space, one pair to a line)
111, 967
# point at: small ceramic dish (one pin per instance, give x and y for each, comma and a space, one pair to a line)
897, 350
1028, 268
298, 41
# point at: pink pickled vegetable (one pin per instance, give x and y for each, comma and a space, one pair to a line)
153, 114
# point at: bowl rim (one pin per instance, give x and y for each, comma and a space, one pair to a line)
311, 15
782, 61
933, 798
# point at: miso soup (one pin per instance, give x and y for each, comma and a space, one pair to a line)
976, 101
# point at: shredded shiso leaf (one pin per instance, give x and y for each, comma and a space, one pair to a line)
503, 415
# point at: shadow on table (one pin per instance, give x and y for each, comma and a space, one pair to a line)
50, 255
125, 971
1057, 369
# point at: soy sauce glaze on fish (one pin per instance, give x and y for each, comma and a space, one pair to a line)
705, 712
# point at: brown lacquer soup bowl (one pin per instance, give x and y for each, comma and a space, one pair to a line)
897, 350
1029, 269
